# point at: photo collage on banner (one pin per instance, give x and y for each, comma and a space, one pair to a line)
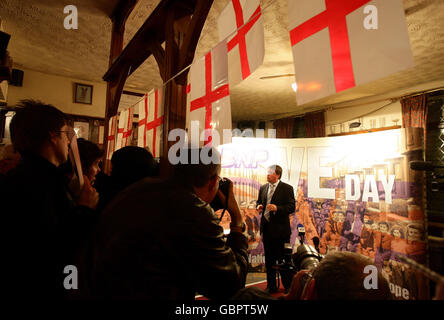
355, 193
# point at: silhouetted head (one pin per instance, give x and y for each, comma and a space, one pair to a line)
131, 164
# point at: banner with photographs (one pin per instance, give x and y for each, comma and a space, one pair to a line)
355, 193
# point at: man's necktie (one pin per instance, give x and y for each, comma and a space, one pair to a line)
270, 195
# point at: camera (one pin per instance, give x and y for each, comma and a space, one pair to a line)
304, 257
224, 187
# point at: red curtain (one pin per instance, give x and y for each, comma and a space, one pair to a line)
284, 128
314, 124
414, 112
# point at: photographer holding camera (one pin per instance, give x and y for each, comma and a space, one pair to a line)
162, 240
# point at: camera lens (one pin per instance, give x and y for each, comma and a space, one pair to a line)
306, 258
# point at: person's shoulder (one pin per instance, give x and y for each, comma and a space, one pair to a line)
23, 176
200, 207
286, 185
149, 188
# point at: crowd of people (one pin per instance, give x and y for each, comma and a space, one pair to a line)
132, 234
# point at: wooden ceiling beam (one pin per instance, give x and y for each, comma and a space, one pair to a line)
159, 54
122, 11
192, 35
178, 24
153, 28
115, 85
182, 34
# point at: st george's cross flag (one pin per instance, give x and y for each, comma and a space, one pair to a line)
142, 107
341, 44
241, 24
112, 129
124, 134
208, 101
151, 121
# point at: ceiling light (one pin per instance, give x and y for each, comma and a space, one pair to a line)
354, 125
294, 86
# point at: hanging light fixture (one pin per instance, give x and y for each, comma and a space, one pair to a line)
355, 124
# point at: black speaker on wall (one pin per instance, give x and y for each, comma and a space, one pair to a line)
4, 40
16, 78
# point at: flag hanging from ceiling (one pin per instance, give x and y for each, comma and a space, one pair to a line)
340, 44
112, 128
125, 131
142, 107
209, 100
151, 121
241, 21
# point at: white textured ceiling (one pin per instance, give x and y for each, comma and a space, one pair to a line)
39, 42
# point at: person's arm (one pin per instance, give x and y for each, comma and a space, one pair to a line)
88, 195
219, 267
259, 204
222, 266
297, 286
289, 206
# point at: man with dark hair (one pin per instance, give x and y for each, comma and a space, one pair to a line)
35, 125
276, 202
162, 240
43, 226
340, 276
128, 165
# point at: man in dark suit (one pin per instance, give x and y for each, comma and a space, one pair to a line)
275, 203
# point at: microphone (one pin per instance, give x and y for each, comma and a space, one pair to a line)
423, 166
316, 243
301, 232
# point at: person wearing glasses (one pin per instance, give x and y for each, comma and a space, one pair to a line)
43, 227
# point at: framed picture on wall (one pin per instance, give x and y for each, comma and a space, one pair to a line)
83, 93
82, 130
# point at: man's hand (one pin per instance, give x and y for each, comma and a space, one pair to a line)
88, 196
260, 208
297, 286
271, 207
